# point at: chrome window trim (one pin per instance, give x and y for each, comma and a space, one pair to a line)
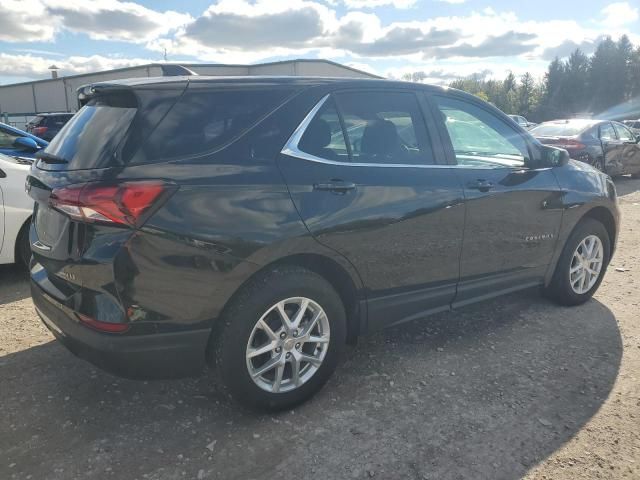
291, 149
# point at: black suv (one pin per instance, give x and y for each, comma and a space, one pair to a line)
259, 224
47, 125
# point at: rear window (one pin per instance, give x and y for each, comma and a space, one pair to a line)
35, 121
204, 120
558, 129
91, 137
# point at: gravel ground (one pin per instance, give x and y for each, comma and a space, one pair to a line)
511, 388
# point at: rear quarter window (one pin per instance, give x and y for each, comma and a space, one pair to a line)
205, 120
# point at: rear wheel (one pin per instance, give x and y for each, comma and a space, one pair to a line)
281, 339
582, 264
23, 246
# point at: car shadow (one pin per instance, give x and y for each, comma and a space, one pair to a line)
484, 392
14, 283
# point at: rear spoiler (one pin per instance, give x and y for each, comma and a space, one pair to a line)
86, 92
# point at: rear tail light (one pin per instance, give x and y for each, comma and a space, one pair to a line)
106, 327
127, 203
570, 144
39, 131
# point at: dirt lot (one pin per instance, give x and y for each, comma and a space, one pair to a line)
512, 388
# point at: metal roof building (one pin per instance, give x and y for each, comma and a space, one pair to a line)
22, 100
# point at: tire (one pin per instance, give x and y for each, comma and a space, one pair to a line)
241, 334
560, 288
23, 246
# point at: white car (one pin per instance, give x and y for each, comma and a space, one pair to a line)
15, 210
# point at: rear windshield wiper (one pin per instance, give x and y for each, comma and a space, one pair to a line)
50, 158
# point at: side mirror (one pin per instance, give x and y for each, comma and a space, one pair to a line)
26, 143
555, 157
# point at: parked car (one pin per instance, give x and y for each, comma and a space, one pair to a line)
523, 122
17, 143
15, 211
634, 126
47, 125
609, 146
256, 224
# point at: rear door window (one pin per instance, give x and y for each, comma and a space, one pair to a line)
385, 127
607, 132
323, 137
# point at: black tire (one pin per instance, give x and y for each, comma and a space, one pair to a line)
559, 289
241, 316
23, 246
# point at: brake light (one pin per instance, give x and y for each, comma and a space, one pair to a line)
39, 131
570, 144
106, 327
125, 203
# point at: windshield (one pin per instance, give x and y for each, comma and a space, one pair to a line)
559, 129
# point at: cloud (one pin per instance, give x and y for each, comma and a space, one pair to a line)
31, 66
619, 14
292, 28
358, 4
115, 20
403, 41
505, 45
25, 21
457, 2
567, 47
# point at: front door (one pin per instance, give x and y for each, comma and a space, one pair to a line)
612, 148
370, 183
513, 212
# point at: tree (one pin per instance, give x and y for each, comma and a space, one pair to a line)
576, 78
526, 94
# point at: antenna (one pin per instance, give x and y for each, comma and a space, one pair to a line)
165, 54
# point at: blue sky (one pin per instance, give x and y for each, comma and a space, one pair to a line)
446, 39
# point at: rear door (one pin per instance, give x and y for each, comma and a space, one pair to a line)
612, 148
513, 212
370, 182
630, 157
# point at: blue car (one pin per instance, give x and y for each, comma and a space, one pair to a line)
16, 143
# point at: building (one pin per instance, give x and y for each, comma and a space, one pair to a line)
21, 101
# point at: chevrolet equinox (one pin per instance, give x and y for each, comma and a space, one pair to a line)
258, 224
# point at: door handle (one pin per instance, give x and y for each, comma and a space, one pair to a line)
336, 186
480, 184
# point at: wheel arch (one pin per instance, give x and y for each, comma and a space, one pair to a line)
329, 269
605, 217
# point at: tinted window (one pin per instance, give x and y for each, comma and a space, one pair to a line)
90, 139
565, 129
479, 138
323, 137
205, 120
385, 127
607, 132
624, 133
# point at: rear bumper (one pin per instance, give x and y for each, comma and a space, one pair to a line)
165, 355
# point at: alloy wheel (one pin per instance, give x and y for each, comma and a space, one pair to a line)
288, 345
586, 264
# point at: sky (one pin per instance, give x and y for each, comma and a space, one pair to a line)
446, 39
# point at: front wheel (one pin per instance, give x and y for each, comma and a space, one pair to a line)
582, 264
281, 339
